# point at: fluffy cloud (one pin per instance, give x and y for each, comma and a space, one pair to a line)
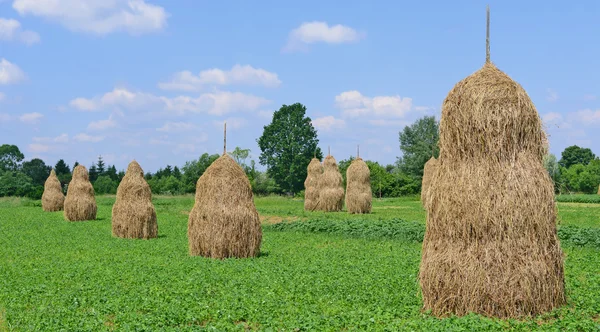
99, 17
246, 75
10, 30
39, 148
232, 123
10, 73
176, 127
102, 124
354, 104
328, 123
87, 138
31, 118
588, 116
551, 117
320, 32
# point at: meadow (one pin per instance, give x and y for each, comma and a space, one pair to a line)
316, 271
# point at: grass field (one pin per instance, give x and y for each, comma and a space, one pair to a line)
316, 271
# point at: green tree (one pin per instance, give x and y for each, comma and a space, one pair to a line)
93, 173
551, 165
192, 170
111, 172
62, 168
287, 145
418, 142
101, 166
75, 164
575, 155
10, 157
105, 185
177, 173
37, 170
240, 155
13, 183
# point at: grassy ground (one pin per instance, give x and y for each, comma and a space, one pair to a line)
75, 276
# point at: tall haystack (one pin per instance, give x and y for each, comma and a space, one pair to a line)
358, 187
80, 203
53, 198
133, 214
331, 190
428, 170
311, 184
491, 244
224, 221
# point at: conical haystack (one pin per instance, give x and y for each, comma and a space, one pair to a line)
80, 203
331, 190
428, 170
358, 187
133, 215
311, 184
491, 244
53, 198
224, 221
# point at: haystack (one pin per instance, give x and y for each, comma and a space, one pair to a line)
331, 190
491, 244
428, 170
224, 221
358, 187
53, 198
133, 215
311, 184
80, 203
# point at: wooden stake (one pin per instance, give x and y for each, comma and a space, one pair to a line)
487, 37
225, 138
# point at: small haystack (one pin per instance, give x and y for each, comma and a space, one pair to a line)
224, 221
358, 187
311, 184
331, 190
133, 215
53, 198
428, 170
491, 244
80, 203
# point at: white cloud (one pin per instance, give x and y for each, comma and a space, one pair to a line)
232, 123
552, 116
84, 104
354, 104
38, 148
102, 124
99, 17
63, 138
424, 108
88, 138
31, 118
320, 32
588, 116
552, 96
10, 73
389, 123
243, 75
328, 123
176, 127
10, 30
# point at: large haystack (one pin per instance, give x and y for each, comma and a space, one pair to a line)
224, 221
53, 198
491, 244
133, 215
358, 187
311, 184
80, 203
428, 170
331, 190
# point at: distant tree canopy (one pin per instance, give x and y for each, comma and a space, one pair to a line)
287, 145
575, 155
10, 157
418, 142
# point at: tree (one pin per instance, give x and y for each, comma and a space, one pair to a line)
575, 155
287, 145
13, 183
192, 170
75, 164
93, 173
100, 166
240, 155
111, 172
10, 157
177, 173
105, 185
418, 142
37, 170
62, 168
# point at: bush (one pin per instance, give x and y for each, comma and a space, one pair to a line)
578, 198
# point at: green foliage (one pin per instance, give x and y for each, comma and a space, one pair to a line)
575, 155
192, 170
105, 185
166, 185
578, 198
37, 170
100, 165
13, 183
93, 173
10, 158
418, 142
287, 145
263, 185
61, 168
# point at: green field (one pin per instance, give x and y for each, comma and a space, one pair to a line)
316, 272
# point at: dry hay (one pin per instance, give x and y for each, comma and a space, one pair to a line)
331, 190
224, 221
428, 170
311, 184
53, 198
133, 215
80, 203
358, 187
491, 244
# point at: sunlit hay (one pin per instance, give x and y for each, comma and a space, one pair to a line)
358, 187
491, 244
53, 198
224, 221
428, 169
311, 184
331, 190
80, 203
133, 214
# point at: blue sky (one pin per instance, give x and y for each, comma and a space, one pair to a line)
154, 80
